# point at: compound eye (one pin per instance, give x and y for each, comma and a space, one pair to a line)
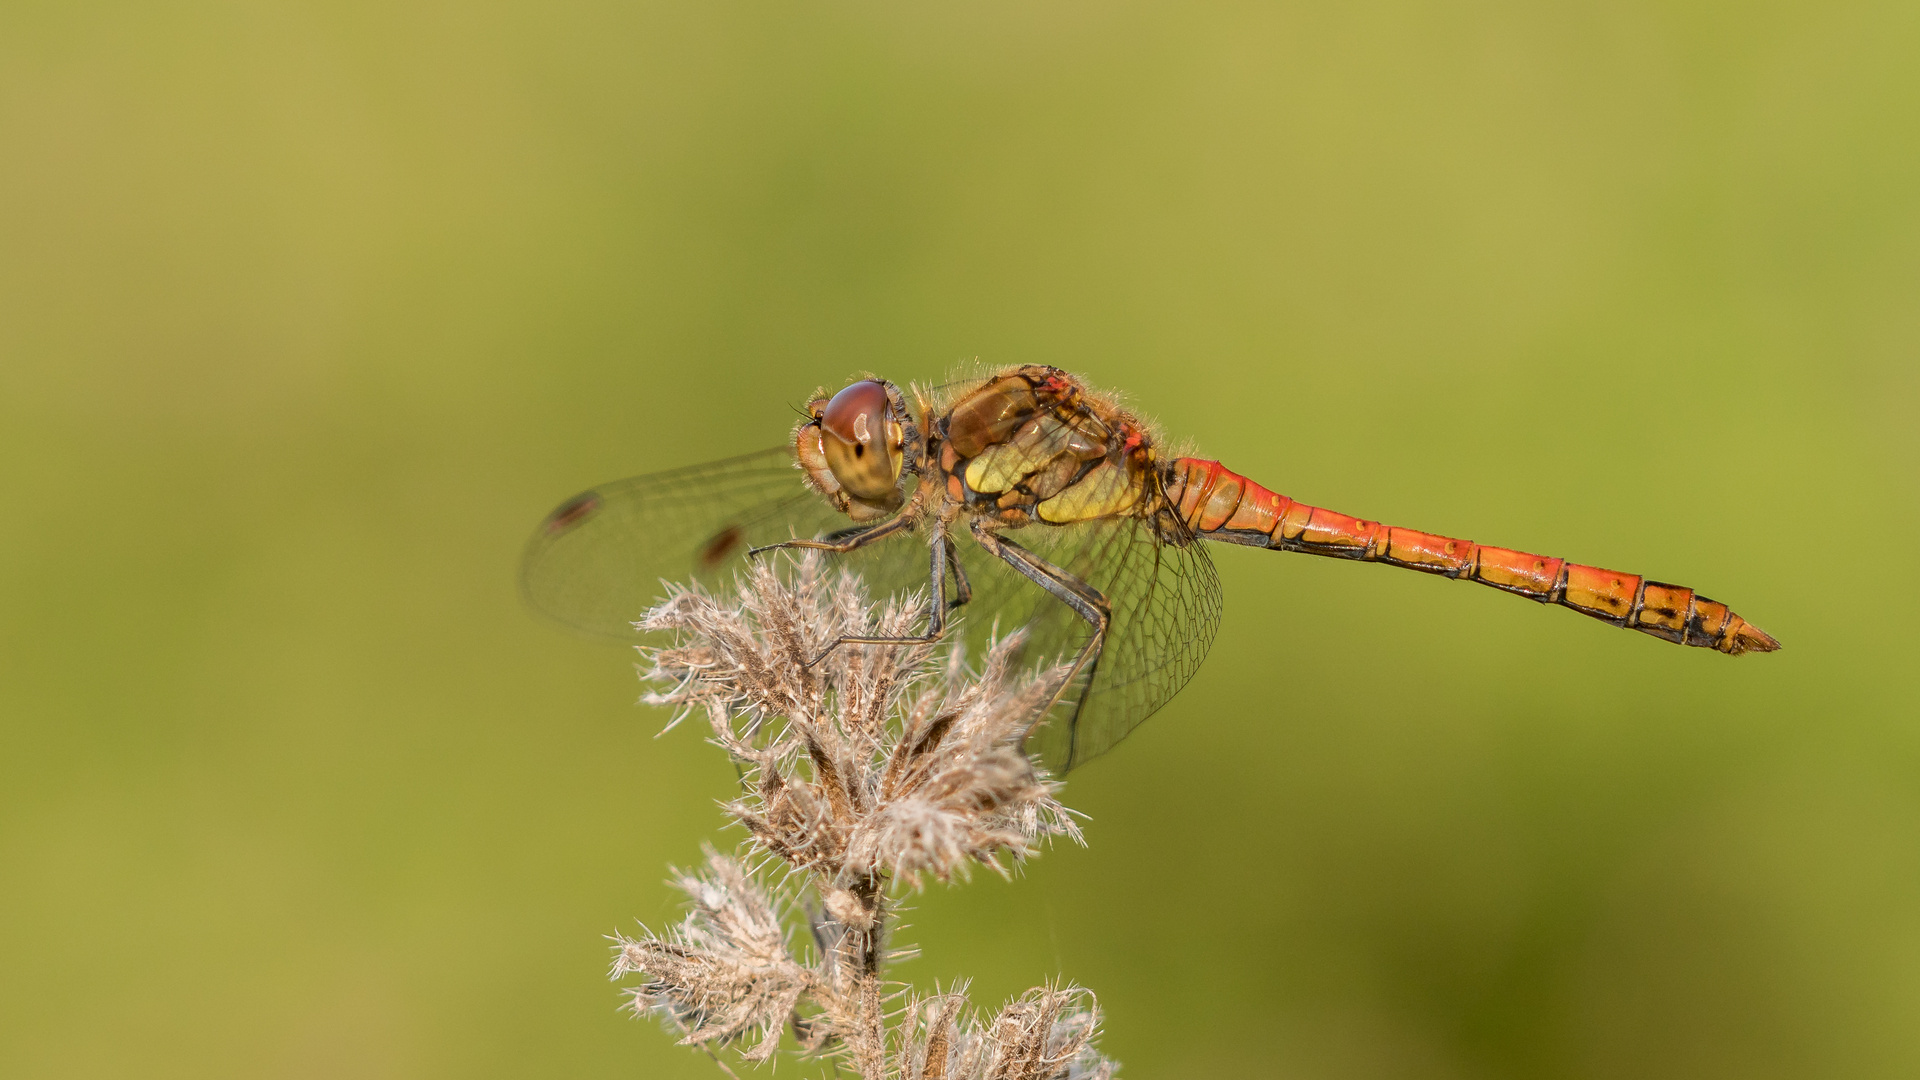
862, 449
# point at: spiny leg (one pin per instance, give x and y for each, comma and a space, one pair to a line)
844, 541
962, 588
1086, 601
936, 616
847, 540
937, 606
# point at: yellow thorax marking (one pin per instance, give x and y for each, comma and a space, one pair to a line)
1105, 491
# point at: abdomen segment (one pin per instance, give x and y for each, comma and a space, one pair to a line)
1220, 504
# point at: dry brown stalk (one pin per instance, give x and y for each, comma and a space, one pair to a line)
874, 770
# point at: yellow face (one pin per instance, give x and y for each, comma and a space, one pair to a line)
857, 438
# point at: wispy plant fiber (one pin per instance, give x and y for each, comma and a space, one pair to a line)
865, 769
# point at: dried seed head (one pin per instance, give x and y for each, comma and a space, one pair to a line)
878, 759
877, 763
725, 972
1045, 1034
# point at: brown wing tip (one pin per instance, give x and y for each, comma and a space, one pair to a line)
571, 513
1748, 638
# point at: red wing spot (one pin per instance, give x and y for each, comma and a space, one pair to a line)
723, 544
572, 514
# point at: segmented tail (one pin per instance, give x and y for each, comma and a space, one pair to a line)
1220, 504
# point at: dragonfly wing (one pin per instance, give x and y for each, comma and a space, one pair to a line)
597, 561
1165, 603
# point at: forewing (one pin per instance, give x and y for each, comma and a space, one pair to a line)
597, 561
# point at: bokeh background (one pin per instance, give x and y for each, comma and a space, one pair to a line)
309, 311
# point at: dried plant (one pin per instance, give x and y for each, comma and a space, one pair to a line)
866, 771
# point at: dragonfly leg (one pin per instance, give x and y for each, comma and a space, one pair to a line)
962, 589
1086, 601
842, 542
936, 608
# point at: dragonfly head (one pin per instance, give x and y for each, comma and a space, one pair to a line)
855, 445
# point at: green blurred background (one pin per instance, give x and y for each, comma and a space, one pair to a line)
309, 311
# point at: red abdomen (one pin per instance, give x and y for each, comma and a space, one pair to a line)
1220, 504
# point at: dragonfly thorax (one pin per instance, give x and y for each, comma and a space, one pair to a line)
1032, 445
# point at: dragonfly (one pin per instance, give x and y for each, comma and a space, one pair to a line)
1029, 497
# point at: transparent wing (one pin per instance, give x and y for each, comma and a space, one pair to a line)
597, 561
1165, 600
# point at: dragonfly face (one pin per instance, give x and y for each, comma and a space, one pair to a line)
1028, 500
856, 446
